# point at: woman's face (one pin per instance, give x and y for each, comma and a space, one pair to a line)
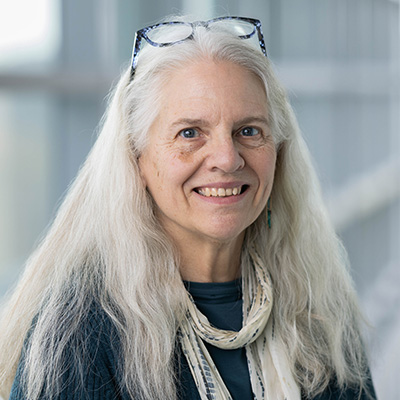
210, 161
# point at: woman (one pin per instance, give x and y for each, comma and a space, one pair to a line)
199, 183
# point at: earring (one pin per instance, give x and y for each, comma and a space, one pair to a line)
269, 213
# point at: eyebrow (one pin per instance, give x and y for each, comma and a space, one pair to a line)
203, 122
254, 119
190, 122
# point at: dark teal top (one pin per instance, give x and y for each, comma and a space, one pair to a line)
101, 366
222, 304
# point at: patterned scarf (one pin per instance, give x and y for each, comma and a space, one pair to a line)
269, 369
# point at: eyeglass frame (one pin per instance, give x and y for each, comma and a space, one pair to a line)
142, 34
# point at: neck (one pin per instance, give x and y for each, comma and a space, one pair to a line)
210, 261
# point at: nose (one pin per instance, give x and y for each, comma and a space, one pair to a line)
224, 154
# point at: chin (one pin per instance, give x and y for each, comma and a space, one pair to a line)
224, 235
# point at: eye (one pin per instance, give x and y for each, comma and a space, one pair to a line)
189, 133
249, 131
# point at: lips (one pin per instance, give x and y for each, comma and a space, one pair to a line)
221, 191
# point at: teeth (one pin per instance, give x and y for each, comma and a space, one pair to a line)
219, 192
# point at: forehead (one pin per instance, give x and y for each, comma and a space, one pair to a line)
213, 87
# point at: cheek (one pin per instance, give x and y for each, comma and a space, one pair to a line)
165, 170
263, 162
162, 175
150, 166
179, 166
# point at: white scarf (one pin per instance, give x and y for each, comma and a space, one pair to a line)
269, 368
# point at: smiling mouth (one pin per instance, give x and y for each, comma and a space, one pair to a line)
221, 192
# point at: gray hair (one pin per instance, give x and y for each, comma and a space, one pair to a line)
105, 246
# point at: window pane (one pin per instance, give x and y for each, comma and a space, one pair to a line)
29, 33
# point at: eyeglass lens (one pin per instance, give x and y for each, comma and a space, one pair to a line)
234, 26
171, 33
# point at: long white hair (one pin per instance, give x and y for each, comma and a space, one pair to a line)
106, 247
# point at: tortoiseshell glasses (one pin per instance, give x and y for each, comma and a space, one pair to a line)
174, 32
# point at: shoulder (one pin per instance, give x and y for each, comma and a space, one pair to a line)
99, 333
90, 367
99, 340
333, 392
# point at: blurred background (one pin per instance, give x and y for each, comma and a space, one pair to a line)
339, 60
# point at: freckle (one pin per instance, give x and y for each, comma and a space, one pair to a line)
183, 156
186, 155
